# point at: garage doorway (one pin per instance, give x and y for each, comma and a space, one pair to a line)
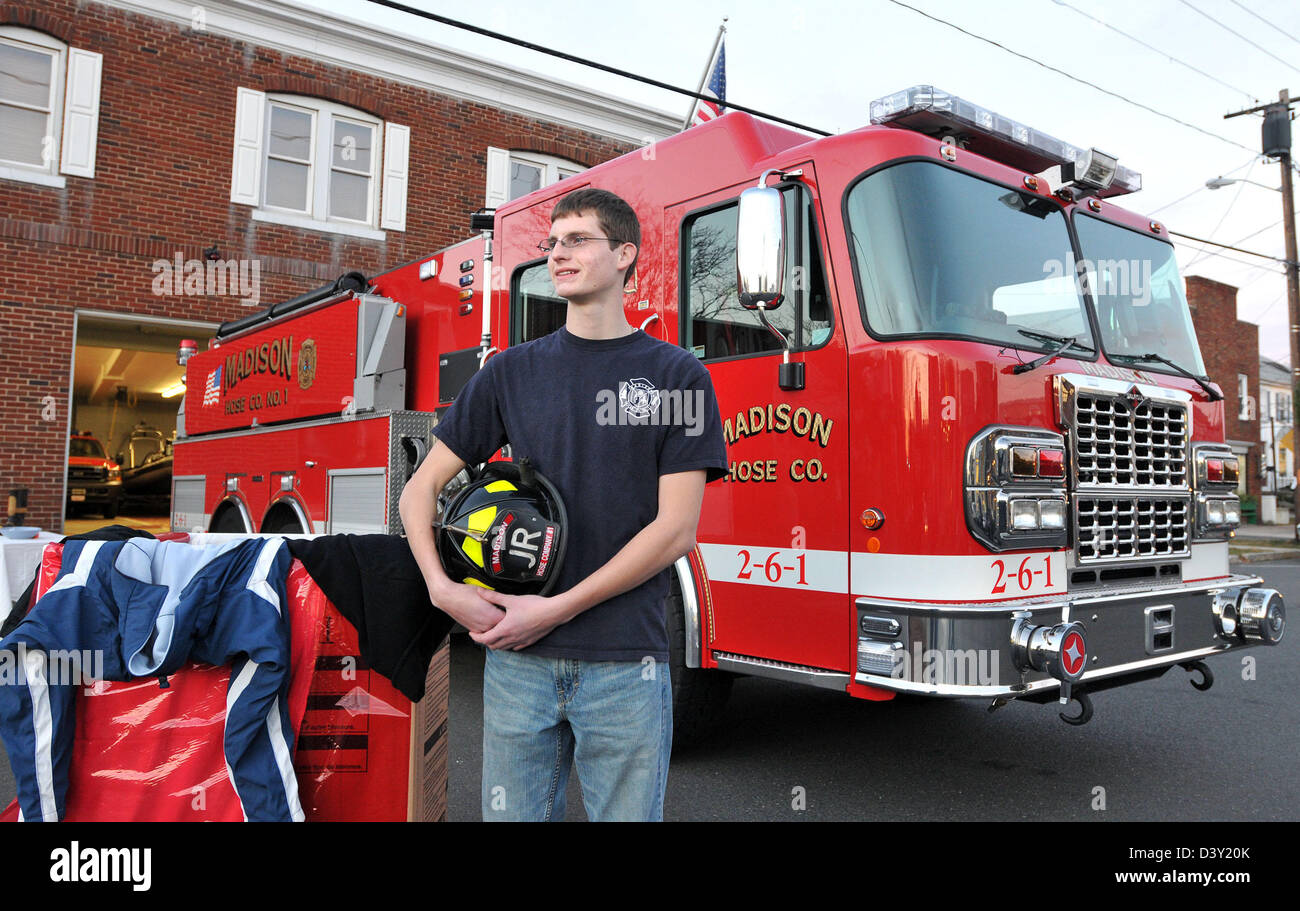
126, 391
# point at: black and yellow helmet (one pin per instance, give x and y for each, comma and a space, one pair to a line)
505, 530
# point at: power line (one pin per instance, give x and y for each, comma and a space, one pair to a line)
1260, 231
1263, 273
572, 58
1182, 270
1238, 34
1157, 50
1271, 305
1271, 25
1048, 66
1215, 243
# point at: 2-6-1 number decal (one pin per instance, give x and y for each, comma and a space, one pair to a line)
772, 567
1025, 575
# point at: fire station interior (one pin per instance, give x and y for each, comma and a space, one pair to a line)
126, 391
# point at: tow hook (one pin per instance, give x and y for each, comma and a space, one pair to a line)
1079, 695
1207, 676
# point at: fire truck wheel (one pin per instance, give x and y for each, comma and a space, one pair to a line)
110, 509
699, 696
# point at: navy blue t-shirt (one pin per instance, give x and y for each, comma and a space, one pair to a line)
602, 419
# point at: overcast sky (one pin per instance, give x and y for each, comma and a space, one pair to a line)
822, 62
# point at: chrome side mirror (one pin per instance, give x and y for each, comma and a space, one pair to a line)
760, 248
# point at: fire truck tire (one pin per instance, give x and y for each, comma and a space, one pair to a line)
227, 520
282, 520
699, 696
110, 509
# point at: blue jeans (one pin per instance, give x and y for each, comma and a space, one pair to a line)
612, 719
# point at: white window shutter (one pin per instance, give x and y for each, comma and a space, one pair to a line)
498, 178
81, 112
397, 153
250, 127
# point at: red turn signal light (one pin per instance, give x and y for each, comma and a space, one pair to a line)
1214, 469
872, 519
1051, 463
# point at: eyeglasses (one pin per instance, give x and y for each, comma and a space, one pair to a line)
572, 242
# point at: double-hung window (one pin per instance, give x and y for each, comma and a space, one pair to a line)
49, 108
319, 165
513, 174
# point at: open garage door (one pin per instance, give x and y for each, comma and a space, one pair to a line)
126, 390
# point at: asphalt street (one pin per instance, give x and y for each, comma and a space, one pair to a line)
1157, 750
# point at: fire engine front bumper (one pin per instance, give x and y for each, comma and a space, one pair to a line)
1038, 645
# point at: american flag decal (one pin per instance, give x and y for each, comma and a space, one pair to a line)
212, 391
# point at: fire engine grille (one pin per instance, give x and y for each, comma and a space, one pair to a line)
87, 475
1130, 528
1118, 445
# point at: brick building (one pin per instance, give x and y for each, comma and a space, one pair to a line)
1230, 347
166, 167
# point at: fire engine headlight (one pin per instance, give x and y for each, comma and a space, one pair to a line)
1216, 516
115, 474
1052, 513
1015, 488
1024, 513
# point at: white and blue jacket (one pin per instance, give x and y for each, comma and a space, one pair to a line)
149, 607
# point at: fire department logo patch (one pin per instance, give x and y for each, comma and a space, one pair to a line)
307, 364
638, 397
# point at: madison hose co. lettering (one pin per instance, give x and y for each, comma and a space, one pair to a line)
274, 357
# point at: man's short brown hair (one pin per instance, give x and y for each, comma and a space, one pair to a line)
613, 214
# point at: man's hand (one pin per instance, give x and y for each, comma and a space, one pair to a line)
527, 619
467, 605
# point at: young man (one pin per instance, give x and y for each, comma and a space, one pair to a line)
627, 428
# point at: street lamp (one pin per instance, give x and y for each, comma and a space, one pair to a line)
1215, 183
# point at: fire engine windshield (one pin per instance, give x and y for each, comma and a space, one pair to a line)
1140, 304
941, 253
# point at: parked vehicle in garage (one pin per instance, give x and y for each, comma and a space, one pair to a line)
94, 480
146, 463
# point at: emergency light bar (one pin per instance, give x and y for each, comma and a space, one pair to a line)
931, 111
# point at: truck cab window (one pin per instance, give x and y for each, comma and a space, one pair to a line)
717, 326
535, 308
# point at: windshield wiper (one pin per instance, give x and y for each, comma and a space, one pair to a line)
1204, 381
1062, 342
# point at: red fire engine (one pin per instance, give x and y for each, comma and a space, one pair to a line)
973, 452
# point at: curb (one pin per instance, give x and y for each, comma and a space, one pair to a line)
1264, 556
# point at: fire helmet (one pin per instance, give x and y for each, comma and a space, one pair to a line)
505, 530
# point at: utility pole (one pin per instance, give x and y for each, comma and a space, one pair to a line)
1276, 143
